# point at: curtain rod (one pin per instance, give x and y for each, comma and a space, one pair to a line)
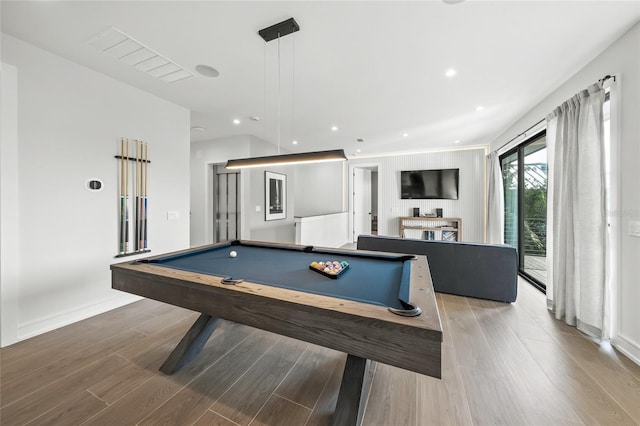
602, 80
520, 134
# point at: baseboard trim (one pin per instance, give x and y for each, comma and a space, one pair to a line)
52, 322
629, 348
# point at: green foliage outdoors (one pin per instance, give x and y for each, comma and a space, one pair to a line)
535, 211
535, 222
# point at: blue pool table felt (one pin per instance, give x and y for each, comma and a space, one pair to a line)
375, 279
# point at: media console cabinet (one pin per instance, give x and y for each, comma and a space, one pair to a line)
452, 226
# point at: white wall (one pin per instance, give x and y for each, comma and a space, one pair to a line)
70, 120
9, 215
319, 188
327, 230
471, 198
622, 59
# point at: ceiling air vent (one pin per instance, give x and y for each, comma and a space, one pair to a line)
130, 51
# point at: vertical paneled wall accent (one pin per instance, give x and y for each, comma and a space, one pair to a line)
470, 205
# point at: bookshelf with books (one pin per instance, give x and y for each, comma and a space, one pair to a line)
431, 228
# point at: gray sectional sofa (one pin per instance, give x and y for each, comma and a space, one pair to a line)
485, 271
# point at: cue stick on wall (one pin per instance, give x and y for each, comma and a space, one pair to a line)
126, 196
136, 196
122, 207
140, 207
134, 181
146, 176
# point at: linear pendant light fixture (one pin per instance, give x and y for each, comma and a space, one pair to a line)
287, 159
275, 32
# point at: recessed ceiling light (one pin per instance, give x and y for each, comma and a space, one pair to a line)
198, 129
295, 142
452, 1
357, 150
404, 135
334, 128
207, 71
236, 121
479, 108
254, 118
450, 72
456, 141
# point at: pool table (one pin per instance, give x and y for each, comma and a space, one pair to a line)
381, 307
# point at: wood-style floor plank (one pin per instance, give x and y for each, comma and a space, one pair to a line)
611, 376
129, 377
517, 364
47, 353
165, 315
595, 405
323, 410
163, 334
212, 419
27, 383
392, 398
244, 399
615, 374
74, 410
50, 396
47, 343
193, 401
502, 364
278, 408
159, 388
499, 377
306, 380
443, 402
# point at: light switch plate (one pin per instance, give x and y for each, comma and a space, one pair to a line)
634, 228
173, 215
258, 208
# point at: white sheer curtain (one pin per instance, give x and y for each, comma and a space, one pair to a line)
495, 200
577, 249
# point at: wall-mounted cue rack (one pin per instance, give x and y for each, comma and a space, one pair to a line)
133, 179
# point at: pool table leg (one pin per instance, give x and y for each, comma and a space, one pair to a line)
191, 343
354, 388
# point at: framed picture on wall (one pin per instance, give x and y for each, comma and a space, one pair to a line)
275, 196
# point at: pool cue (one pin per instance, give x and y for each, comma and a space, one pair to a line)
141, 181
121, 236
126, 196
145, 196
139, 201
136, 196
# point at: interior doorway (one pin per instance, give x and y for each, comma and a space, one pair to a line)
363, 201
226, 204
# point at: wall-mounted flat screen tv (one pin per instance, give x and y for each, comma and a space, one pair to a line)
429, 184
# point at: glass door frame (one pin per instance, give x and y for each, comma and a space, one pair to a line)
520, 151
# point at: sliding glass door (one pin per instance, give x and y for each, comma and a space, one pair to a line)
511, 188
524, 173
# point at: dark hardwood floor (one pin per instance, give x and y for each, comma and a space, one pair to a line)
503, 364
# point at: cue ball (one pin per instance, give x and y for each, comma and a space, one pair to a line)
233, 254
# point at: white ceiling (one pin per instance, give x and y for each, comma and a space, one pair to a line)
375, 69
